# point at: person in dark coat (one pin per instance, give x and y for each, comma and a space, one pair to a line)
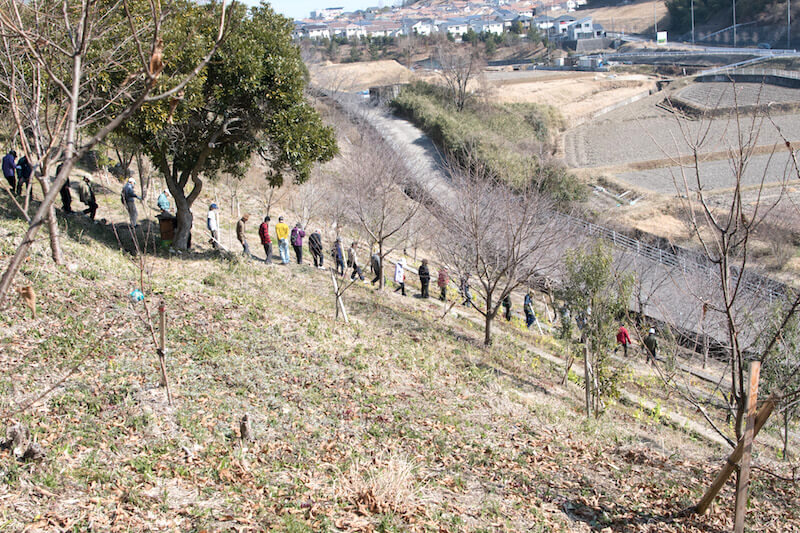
86, 195
10, 168
338, 256
266, 241
507, 307
527, 307
465, 290
66, 195
315, 245
424, 277
24, 171
651, 346
375, 265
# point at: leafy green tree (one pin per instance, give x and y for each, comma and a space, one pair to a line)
248, 99
516, 27
534, 35
598, 293
491, 47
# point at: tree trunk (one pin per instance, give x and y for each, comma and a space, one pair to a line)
487, 336
184, 230
786, 434
52, 226
381, 281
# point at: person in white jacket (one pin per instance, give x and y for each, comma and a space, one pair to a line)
400, 276
212, 222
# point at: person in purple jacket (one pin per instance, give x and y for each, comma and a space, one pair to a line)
10, 168
297, 242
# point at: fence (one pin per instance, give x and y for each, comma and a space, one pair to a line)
688, 262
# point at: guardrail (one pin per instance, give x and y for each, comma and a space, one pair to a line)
688, 262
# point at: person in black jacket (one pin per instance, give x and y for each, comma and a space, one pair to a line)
66, 195
315, 245
24, 171
424, 277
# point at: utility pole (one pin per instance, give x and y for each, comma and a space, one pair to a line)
734, 22
692, 22
788, 24
655, 21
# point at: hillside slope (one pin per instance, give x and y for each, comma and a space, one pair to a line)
399, 421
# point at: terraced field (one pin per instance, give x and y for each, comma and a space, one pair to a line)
644, 145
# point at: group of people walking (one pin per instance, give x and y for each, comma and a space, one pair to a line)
18, 172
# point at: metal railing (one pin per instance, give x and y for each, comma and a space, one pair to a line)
688, 262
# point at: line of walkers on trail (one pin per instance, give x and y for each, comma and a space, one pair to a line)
349, 260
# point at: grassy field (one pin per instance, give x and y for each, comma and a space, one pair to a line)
399, 421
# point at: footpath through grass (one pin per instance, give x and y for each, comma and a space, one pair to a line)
400, 421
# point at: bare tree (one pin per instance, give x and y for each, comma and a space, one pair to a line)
381, 192
504, 237
101, 62
459, 65
734, 311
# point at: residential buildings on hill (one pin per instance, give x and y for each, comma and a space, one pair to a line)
455, 18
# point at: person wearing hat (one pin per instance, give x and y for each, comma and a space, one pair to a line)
86, 195
10, 168
424, 277
651, 345
240, 234
129, 197
266, 241
163, 202
212, 223
282, 233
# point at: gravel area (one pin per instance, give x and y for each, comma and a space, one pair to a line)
715, 175
714, 95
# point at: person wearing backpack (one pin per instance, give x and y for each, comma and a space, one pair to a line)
266, 242
297, 242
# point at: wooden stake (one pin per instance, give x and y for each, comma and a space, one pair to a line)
734, 458
339, 302
162, 349
743, 481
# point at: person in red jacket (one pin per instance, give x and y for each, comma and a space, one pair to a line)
624, 339
263, 233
